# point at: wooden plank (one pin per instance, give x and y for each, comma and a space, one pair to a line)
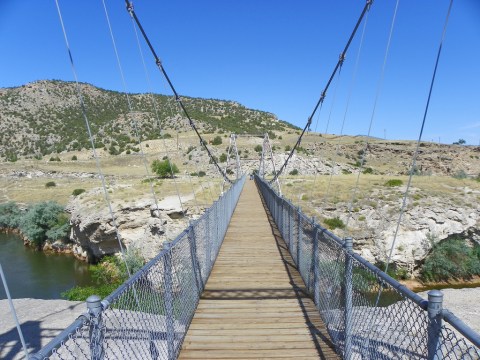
255, 305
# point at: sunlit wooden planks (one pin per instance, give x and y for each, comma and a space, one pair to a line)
254, 305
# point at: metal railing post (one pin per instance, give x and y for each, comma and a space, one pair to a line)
96, 330
208, 241
299, 236
197, 272
435, 307
168, 296
348, 244
316, 279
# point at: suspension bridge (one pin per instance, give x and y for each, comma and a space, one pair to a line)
254, 277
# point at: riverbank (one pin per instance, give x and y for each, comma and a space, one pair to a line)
418, 286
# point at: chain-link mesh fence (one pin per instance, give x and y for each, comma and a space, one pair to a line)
368, 314
148, 316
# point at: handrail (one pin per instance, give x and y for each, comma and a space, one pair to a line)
347, 290
150, 312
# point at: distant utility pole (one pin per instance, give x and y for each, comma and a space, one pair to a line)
385, 134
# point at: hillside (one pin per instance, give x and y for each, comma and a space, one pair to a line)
44, 117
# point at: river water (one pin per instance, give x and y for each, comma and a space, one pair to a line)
34, 274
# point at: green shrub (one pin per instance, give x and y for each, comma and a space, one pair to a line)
451, 259
166, 136
394, 182
394, 271
334, 223
109, 274
45, 221
258, 148
368, 170
460, 174
50, 184
294, 172
272, 135
164, 168
10, 215
55, 158
217, 140
288, 148
77, 192
74, 158
223, 157
201, 173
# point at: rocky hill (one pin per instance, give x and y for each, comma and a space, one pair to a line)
44, 117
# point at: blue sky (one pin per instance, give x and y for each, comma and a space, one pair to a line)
273, 55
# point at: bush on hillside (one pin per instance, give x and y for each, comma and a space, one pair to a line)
164, 168
394, 182
77, 192
334, 223
217, 140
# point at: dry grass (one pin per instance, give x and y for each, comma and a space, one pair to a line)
341, 191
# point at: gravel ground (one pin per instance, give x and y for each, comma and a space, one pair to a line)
464, 303
42, 320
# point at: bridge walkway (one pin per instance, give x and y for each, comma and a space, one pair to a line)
254, 304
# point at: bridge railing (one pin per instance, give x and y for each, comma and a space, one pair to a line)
368, 314
147, 317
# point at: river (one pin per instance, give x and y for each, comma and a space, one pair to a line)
35, 274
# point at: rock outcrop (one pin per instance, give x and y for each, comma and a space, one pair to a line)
138, 224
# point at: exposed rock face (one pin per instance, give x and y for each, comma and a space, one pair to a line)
140, 225
421, 227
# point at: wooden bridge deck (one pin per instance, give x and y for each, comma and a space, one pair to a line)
254, 304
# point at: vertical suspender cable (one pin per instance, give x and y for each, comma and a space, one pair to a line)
324, 92
349, 97
177, 96
129, 103
154, 104
377, 96
14, 313
415, 155
87, 124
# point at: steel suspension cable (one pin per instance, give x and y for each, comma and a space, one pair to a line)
130, 107
349, 96
14, 312
326, 131
160, 66
157, 116
372, 117
324, 92
415, 155
92, 142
